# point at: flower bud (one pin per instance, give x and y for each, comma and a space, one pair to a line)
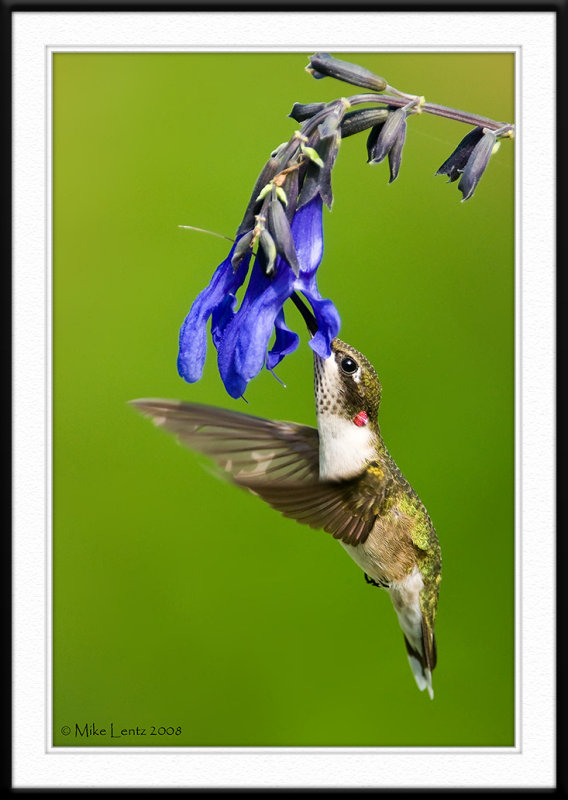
361, 119
244, 243
281, 195
323, 64
279, 228
372, 139
476, 164
395, 155
266, 242
291, 188
303, 111
318, 179
455, 164
330, 125
333, 118
271, 168
392, 129
263, 192
311, 154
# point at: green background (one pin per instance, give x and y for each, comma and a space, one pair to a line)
178, 600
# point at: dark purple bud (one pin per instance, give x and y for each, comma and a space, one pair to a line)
271, 168
361, 119
303, 111
395, 155
291, 187
372, 139
279, 228
392, 131
455, 164
322, 64
330, 124
318, 179
332, 121
242, 247
476, 164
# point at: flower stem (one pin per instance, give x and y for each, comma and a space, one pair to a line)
433, 108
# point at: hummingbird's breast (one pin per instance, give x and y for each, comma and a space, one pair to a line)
388, 554
344, 449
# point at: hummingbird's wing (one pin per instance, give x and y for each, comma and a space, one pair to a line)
242, 445
278, 461
347, 509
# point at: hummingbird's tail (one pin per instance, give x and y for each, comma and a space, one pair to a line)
418, 634
422, 661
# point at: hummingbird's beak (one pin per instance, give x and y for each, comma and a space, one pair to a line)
308, 316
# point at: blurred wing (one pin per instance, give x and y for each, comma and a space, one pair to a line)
240, 444
278, 461
341, 508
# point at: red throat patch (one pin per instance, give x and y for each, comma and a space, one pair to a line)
360, 419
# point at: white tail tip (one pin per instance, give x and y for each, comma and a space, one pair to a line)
422, 676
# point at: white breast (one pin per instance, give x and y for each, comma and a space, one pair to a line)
344, 447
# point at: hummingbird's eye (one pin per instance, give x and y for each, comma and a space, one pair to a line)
348, 365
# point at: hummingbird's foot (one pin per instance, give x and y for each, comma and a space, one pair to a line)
373, 582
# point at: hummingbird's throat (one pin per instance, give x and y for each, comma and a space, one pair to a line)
345, 449
346, 443
360, 419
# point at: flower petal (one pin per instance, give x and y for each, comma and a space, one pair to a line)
242, 350
326, 314
307, 230
221, 317
286, 342
193, 333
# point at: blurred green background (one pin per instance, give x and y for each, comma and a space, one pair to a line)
180, 601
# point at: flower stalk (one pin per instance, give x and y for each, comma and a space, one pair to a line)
438, 111
278, 246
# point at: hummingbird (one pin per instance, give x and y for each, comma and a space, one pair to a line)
339, 477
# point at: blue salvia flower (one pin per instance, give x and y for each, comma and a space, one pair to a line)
283, 221
283, 225
242, 335
219, 298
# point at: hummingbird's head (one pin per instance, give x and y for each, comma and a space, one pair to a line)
347, 385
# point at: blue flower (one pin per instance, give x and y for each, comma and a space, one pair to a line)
242, 335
